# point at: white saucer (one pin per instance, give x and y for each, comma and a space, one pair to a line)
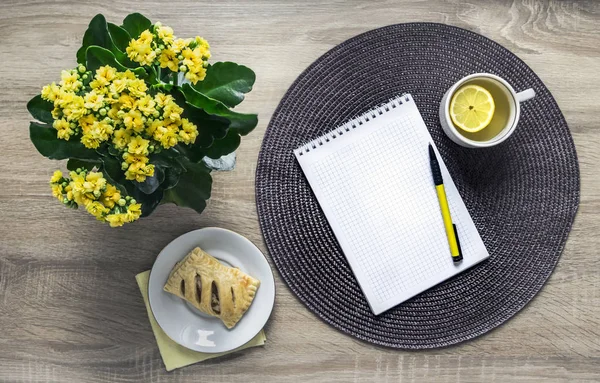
188, 326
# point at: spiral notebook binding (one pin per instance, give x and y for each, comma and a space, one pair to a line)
354, 123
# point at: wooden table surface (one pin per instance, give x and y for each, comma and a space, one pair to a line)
70, 309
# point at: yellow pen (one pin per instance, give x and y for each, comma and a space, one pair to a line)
451, 232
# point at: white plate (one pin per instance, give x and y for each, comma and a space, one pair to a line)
188, 326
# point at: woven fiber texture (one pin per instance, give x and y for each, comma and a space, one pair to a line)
523, 194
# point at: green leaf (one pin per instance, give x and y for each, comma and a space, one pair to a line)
149, 201
99, 34
171, 178
45, 141
226, 82
150, 184
111, 169
119, 36
98, 56
241, 123
135, 24
75, 163
166, 159
41, 109
96, 34
113, 151
193, 188
209, 126
224, 146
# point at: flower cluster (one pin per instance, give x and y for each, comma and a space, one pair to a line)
159, 46
118, 108
100, 199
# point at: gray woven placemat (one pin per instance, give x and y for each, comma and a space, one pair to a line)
522, 194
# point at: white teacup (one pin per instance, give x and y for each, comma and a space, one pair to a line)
511, 111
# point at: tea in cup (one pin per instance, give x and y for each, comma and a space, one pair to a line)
481, 110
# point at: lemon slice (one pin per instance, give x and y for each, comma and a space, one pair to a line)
472, 108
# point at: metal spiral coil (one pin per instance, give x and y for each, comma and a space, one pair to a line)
363, 119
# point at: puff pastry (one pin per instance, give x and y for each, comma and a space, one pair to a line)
213, 288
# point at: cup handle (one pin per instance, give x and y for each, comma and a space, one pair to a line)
525, 95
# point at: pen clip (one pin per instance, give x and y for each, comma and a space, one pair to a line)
459, 257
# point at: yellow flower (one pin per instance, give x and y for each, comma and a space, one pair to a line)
146, 104
56, 113
139, 171
63, 128
116, 220
131, 158
133, 121
75, 109
94, 182
165, 34
188, 132
60, 124
138, 145
195, 74
163, 99
121, 138
191, 57
99, 87
57, 191
78, 192
179, 44
128, 75
203, 47
127, 101
140, 50
146, 37
110, 196
90, 141
63, 98
69, 81
113, 112
169, 139
96, 209
134, 211
96, 134
105, 74
137, 88
94, 101
172, 112
195, 60
69, 191
86, 122
118, 85
168, 59
50, 91
56, 176
154, 126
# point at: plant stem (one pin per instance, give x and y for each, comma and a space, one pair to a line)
175, 78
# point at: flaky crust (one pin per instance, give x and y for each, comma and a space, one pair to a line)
198, 275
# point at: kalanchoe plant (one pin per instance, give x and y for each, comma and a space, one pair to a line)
139, 119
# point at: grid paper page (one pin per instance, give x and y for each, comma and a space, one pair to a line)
375, 186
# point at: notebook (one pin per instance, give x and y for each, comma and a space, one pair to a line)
373, 181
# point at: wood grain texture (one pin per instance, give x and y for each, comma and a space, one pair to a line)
70, 309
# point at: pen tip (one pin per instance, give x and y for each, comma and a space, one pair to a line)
431, 152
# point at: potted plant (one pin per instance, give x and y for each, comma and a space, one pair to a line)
139, 120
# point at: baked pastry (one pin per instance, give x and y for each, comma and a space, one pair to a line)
213, 288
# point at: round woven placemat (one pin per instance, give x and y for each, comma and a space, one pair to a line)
522, 194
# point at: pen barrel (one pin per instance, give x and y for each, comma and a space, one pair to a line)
447, 221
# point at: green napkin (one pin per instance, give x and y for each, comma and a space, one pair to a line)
176, 356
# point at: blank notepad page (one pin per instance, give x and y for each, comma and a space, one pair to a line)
373, 180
